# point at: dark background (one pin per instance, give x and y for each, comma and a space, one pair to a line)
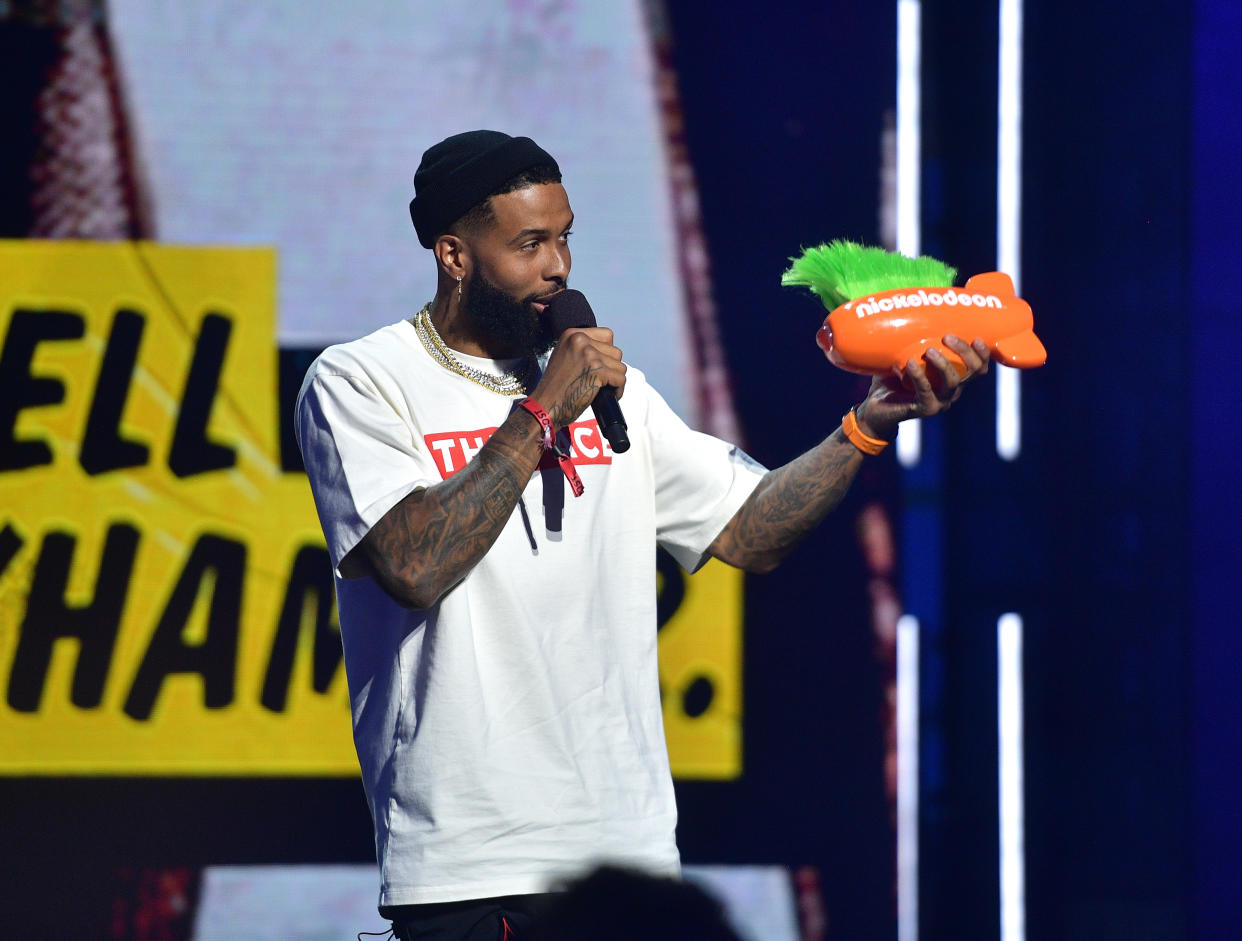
1115, 535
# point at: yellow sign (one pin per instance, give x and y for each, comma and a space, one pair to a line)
166, 601
701, 669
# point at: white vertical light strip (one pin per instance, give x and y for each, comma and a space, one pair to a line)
1009, 209
909, 145
907, 778
1010, 778
1009, 140
909, 156
909, 449
1008, 413
910, 442
1008, 446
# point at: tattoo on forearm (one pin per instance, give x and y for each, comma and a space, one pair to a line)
562, 410
790, 502
434, 537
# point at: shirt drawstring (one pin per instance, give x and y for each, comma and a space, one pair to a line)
530, 531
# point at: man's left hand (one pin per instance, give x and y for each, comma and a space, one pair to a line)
929, 391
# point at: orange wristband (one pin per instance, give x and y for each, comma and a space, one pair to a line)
864, 442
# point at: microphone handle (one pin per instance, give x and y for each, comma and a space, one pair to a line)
611, 421
570, 308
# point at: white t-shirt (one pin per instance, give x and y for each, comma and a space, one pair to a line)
510, 736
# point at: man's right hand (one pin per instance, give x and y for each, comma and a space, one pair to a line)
583, 362
428, 542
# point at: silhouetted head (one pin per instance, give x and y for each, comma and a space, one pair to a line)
614, 904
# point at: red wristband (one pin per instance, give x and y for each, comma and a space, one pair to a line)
545, 422
549, 444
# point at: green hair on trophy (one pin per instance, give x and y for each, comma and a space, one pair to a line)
841, 271
887, 310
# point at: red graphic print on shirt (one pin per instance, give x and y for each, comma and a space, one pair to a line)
452, 449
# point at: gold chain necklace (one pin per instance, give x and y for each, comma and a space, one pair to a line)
508, 384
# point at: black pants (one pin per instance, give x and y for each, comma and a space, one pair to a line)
510, 918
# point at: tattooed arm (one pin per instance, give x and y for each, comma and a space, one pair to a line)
791, 500
425, 544
787, 504
422, 546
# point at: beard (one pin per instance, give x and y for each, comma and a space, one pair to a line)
510, 326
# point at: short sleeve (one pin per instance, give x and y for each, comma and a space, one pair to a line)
700, 483
361, 455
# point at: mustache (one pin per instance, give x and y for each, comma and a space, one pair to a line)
544, 296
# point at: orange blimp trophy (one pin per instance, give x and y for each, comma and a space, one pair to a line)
887, 309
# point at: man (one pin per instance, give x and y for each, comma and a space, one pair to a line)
499, 634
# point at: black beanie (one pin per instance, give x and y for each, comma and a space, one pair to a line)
461, 171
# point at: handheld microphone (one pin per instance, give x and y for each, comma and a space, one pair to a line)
569, 309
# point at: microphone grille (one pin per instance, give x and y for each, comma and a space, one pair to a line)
568, 309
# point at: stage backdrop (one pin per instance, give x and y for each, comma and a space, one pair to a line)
165, 597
